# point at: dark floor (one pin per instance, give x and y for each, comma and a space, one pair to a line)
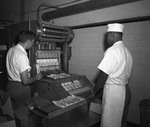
129, 124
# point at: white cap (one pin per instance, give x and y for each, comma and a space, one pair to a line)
115, 27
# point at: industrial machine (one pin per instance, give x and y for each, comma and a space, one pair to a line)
50, 55
3, 51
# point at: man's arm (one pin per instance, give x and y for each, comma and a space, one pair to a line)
26, 80
100, 81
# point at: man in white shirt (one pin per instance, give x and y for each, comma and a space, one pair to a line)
113, 78
18, 68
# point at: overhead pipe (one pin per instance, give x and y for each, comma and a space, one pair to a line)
127, 20
45, 5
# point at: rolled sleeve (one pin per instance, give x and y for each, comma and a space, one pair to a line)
24, 64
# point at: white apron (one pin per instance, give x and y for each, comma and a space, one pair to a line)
113, 96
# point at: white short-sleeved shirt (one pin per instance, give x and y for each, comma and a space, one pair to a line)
17, 62
117, 63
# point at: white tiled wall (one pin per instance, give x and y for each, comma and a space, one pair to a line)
87, 52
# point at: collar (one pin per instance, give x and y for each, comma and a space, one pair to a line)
118, 42
21, 48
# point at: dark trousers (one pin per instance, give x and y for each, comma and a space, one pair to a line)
18, 93
126, 106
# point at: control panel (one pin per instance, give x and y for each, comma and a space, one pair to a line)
56, 89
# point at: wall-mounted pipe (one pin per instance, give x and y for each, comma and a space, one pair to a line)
29, 14
127, 20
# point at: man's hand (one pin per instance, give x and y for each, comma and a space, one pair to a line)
90, 95
39, 76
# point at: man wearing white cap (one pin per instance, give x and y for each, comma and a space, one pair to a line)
114, 74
